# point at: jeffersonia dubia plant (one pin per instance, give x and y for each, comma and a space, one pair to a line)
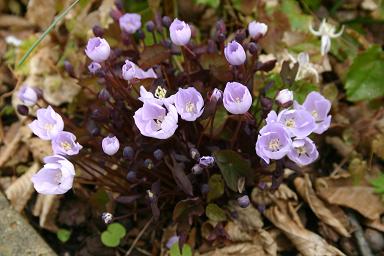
161, 105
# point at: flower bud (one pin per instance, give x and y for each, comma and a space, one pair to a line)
110, 145
22, 110
150, 26
167, 43
257, 29
28, 95
221, 37
194, 153
204, 189
98, 49
68, 67
148, 163
128, 153
92, 128
220, 26
243, 201
217, 95
140, 34
130, 22
94, 67
284, 98
240, 35
180, 32
196, 169
98, 31
206, 161
234, 53
166, 21
115, 14
253, 48
104, 94
107, 217
158, 154
172, 241
131, 176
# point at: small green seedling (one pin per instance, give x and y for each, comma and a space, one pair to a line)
112, 236
175, 250
63, 235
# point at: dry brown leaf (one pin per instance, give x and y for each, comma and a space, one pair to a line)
39, 148
306, 242
9, 149
341, 191
321, 210
243, 249
41, 12
248, 218
46, 208
22, 189
236, 233
376, 224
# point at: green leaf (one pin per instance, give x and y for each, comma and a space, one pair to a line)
63, 235
216, 187
232, 167
298, 20
378, 184
109, 240
112, 236
117, 229
301, 89
187, 251
175, 250
365, 77
211, 3
215, 213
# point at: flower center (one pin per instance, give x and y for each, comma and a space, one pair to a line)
65, 145
301, 151
158, 122
237, 100
160, 92
189, 107
290, 123
58, 177
48, 127
315, 114
274, 145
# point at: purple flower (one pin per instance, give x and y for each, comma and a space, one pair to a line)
28, 95
172, 241
273, 142
180, 32
234, 53
64, 143
130, 22
216, 95
48, 123
110, 145
189, 103
318, 107
56, 177
155, 120
236, 98
257, 29
303, 151
299, 123
131, 71
284, 97
206, 161
94, 67
98, 49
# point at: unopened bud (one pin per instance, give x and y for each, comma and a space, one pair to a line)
196, 169
128, 153
131, 176
285, 98
107, 217
194, 153
166, 21
206, 161
243, 201
150, 26
158, 154
22, 110
148, 163
98, 31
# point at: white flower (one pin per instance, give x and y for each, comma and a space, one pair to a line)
306, 68
326, 31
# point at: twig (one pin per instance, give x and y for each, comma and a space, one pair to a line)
362, 244
139, 236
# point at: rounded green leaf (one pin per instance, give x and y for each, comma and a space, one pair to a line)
117, 229
109, 239
216, 187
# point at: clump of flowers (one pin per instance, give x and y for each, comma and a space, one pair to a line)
171, 115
